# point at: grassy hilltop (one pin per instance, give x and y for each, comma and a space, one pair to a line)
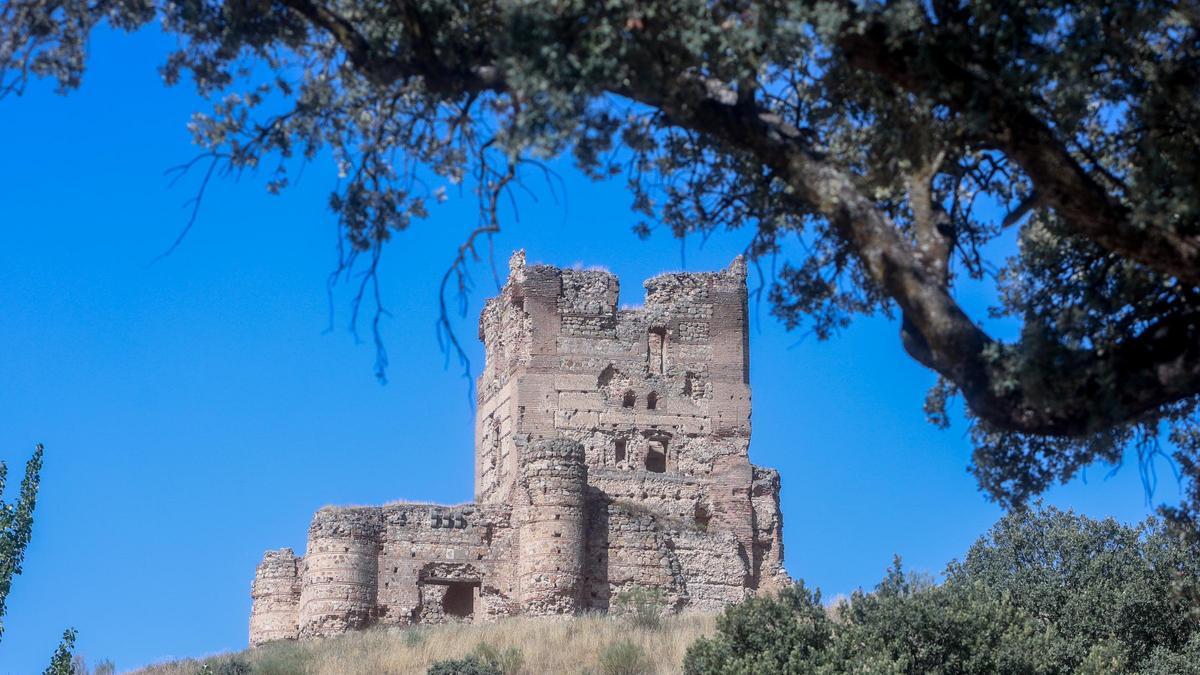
572, 646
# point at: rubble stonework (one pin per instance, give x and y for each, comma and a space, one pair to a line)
611, 451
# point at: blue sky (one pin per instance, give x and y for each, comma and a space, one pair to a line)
196, 411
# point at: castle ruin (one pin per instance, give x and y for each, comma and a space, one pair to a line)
611, 451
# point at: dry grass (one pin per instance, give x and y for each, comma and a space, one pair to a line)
570, 646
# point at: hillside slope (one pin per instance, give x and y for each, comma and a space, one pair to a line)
546, 646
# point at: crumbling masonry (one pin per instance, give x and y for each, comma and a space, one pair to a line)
610, 452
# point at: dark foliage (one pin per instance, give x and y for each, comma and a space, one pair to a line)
471, 665
889, 143
1044, 591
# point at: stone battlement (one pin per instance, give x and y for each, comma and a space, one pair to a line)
611, 451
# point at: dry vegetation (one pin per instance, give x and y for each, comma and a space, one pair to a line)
547, 646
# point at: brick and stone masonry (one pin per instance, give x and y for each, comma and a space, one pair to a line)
611, 451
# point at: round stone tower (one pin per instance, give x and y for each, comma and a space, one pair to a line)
339, 586
552, 527
276, 594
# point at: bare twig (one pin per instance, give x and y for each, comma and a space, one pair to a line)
180, 171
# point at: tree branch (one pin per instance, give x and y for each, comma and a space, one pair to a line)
1062, 183
1091, 388
386, 69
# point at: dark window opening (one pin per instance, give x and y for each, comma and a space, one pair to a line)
656, 457
651, 401
703, 517
620, 450
628, 400
459, 601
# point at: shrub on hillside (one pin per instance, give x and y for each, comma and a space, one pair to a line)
625, 658
508, 661
1043, 591
765, 635
471, 665
641, 605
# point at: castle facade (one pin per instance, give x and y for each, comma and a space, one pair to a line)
611, 451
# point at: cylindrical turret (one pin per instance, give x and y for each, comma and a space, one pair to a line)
552, 528
276, 595
339, 583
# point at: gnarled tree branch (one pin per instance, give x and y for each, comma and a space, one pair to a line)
1062, 183
1157, 366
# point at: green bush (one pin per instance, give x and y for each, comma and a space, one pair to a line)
765, 635
471, 665
625, 658
643, 606
1045, 591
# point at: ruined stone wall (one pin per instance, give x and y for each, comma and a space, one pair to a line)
390, 565
697, 568
426, 547
768, 531
612, 451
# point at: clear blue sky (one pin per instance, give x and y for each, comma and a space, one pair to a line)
195, 412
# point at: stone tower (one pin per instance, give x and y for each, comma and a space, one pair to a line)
611, 451
553, 527
339, 591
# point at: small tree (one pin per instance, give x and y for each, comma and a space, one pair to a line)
16, 525
63, 662
16, 529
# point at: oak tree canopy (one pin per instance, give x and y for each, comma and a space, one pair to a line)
895, 140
